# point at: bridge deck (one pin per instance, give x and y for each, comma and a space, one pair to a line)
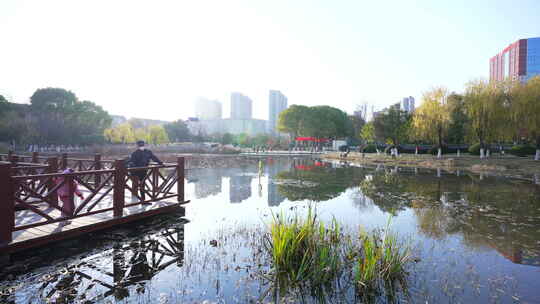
41, 235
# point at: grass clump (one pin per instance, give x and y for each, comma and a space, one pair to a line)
307, 254
382, 262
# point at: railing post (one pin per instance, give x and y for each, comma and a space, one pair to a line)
35, 156
7, 208
53, 168
119, 195
64, 162
97, 166
71, 195
10, 156
180, 175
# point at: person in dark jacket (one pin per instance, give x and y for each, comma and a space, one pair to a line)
141, 158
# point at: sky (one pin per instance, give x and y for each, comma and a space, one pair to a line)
152, 59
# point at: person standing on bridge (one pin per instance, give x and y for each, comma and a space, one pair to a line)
67, 198
141, 158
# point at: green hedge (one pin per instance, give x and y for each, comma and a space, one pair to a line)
371, 148
474, 149
522, 150
434, 150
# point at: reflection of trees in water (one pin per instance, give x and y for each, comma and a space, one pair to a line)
308, 181
491, 213
360, 200
111, 274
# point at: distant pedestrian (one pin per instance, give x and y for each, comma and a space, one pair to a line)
68, 201
141, 158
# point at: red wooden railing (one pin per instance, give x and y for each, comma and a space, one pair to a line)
33, 192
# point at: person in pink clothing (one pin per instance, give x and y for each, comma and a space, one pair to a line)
68, 203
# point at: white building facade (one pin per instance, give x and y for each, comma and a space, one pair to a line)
241, 106
206, 109
277, 103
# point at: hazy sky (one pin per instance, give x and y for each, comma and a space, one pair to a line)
153, 58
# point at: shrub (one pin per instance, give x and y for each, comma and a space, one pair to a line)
522, 150
445, 150
371, 148
474, 149
343, 148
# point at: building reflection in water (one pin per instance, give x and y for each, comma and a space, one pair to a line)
239, 187
209, 182
272, 169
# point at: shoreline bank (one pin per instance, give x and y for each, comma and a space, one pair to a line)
506, 166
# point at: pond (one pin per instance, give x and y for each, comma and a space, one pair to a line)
476, 238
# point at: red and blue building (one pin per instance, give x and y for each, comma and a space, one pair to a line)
519, 61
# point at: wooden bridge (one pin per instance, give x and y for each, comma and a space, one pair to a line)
30, 212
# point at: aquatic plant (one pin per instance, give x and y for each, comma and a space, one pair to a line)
304, 250
382, 261
308, 254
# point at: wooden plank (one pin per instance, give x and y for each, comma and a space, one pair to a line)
36, 237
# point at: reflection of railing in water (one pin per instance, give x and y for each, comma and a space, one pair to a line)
132, 264
37, 193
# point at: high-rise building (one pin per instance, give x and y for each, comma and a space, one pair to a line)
407, 104
206, 109
519, 61
277, 103
241, 106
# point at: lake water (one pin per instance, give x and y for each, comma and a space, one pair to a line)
477, 238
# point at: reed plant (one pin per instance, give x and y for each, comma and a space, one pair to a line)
309, 254
305, 251
383, 260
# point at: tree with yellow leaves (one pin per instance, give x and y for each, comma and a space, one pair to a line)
432, 119
527, 110
157, 135
123, 134
488, 112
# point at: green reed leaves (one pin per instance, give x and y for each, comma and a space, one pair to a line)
309, 254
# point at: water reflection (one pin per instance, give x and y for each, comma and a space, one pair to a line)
476, 223
120, 269
488, 212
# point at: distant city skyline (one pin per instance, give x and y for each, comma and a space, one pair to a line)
152, 59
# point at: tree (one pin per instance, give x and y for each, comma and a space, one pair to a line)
227, 139
122, 134
243, 140
527, 110
458, 119
357, 122
157, 135
317, 121
59, 117
177, 131
432, 119
293, 120
486, 113
367, 134
392, 125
